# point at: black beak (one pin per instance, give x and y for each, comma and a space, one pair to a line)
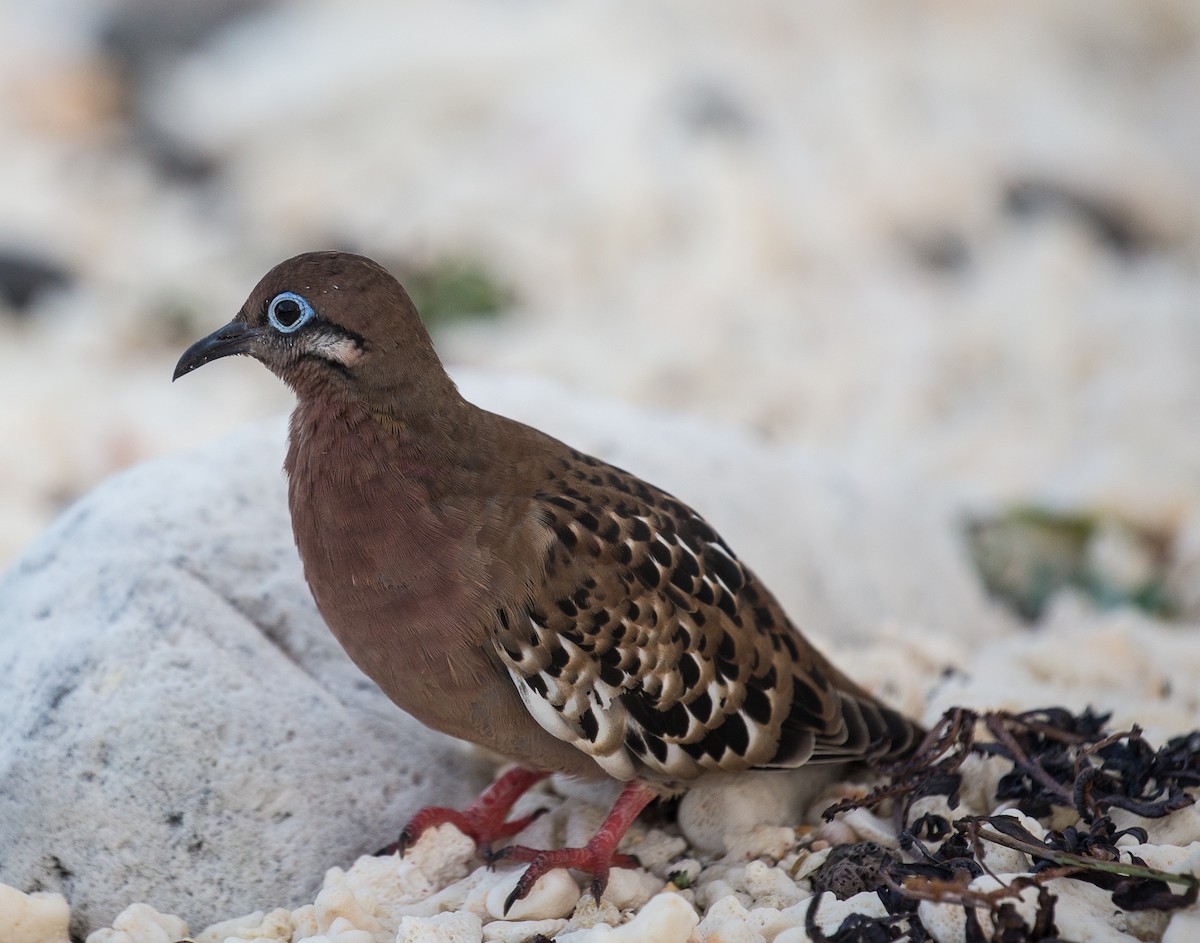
236, 337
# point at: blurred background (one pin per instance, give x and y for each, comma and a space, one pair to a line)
955, 241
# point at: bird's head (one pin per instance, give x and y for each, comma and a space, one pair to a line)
328, 321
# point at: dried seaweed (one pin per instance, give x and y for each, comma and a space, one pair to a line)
1059, 760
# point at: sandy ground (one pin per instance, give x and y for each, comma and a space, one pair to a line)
955, 243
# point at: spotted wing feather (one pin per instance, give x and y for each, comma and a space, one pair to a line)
647, 644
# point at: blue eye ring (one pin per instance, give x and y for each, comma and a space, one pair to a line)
287, 318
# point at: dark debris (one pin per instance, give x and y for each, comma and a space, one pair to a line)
1059, 760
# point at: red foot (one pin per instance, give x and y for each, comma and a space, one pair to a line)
597, 857
483, 820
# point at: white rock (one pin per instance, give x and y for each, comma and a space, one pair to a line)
946, 923
771, 886
33, 918
666, 918
443, 855
341, 931
444, 928
630, 888
721, 811
553, 895
304, 922
169, 618
1170, 858
1000, 859
1184, 926
831, 912
1181, 827
520, 931
141, 923
337, 902
727, 921
470, 895
868, 826
1086, 912
588, 913
654, 848
810, 861
688, 870
258, 927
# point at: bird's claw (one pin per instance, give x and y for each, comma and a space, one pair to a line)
475, 825
597, 861
400, 846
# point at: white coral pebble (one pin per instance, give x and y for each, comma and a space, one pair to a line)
520, 931
141, 923
442, 854
1184, 927
33, 918
771, 886
831, 912
553, 895
256, 927
666, 918
337, 902
629, 888
727, 921
444, 928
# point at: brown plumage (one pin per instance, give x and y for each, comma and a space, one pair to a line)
506, 589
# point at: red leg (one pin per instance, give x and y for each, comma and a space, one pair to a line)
483, 820
598, 856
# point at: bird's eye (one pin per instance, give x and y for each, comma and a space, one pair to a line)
288, 311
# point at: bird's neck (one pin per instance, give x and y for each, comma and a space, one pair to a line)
397, 442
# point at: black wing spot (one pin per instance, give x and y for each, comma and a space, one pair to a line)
689, 671
735, 734
727, 649
807, 707
682, 580
589, 725
661, 553
568, 608
757, 705
648, 572
657, 747
611, 675
674, 721
537, 684
639, 530
558, 661
702, 707
567, 536
726, 569
728, 605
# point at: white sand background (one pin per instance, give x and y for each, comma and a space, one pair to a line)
802, 218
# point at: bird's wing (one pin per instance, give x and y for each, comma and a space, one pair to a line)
647, 644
